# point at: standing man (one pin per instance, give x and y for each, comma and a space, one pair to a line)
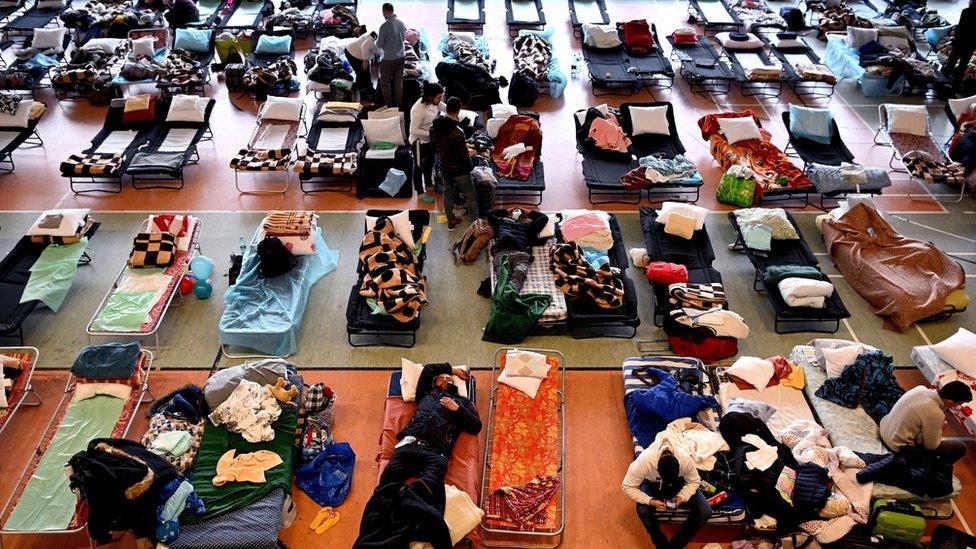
917, 420
963, 46
390, 41
452, 153
674, 482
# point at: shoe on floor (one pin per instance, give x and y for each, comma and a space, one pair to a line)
426, 198
451, 225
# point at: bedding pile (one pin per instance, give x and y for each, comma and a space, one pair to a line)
295, 229
772, 169
517, 147
63, 226
87, 69
391, 274
466, 48
800, 286
756, 13
581, 265
839, 18
532, 56
277, 78
180, 68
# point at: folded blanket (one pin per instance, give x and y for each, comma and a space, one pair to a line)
288, 223
327, 163
109, 361
95, 164
390, 273
261, 161
697, 296
776, 273
805, 292
604, 287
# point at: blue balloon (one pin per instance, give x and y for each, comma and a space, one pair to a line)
202, 289
201, 267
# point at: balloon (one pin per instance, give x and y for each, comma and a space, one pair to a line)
202, 289
186, 285
201, 267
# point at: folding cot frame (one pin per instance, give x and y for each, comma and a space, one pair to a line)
515, 25
65, 42
205, 59
146, 358
454, 23
699, 83
191, 156
420, 220
302, 129
660, 77
342, 30
525, 538
255, 59
15, 328
900, 155
318, 183
517, 191
697, 15
28, 137
30, 19
167, 300
27, 390
802, 88
762, 89
7, 12
577, 24
222, 22
804, 323
161, 34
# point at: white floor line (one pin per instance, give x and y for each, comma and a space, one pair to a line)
962, 519
925, 338
851, 330
947, 233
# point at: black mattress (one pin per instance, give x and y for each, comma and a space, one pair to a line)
833, 154
535, 182
791, 252
700, 61
373, 171
600, 173
574, 19
22, 135
454, 20
32, 19
510, 16
739, 70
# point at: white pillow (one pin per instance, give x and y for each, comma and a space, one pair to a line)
460, 513
106, 45
785, 43
524, 372
910, 119
742, 128
383, 129
71, 221
649, 120
493, 125
960, 106
282, 108
725, 38
20, 118
500, 110
581, 114
187, 108
47, 39
467, 37
959, 351
145, 47
858, 37
87, 390
600, 36
835, 360
699, 213
401, 225
409, 377
753, 370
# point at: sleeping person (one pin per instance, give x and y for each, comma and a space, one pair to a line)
400, 512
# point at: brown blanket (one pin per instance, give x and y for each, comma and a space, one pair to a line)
904, 280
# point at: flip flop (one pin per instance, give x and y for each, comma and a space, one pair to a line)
329, 522
323, 514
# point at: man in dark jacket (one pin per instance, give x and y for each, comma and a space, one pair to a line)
181, 13
963, 45
425, 444
452, 154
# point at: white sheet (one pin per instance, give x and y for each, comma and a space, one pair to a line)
117, 142
715, 12
524, 11
177, 140
467, 10
588, 11
273, 137
6, 138
333, 139
388, 154
790, 403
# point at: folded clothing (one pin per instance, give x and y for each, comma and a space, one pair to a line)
109, 361
637, 36
805, 292
288, 223
697, 296
720, 322
775, 273
590, 230
66, 240
662, 272
65, 222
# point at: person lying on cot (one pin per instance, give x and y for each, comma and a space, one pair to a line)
422, 453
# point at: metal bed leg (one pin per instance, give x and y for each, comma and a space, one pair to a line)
30, 392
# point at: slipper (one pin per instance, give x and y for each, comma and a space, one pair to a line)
329, 522
324, 513
426, 198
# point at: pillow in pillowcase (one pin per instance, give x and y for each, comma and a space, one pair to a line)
742, 128
959, 351
653, 120
699, 213
753, 370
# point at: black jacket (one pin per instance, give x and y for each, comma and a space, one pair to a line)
397, 514
434, 423
911, 469
452, 150
516, 234
121, 481
965, 34
182, 13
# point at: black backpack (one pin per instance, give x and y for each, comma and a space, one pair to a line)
523, 90
274, 259
793, 18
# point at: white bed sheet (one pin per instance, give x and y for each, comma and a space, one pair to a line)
117, 142
715, 12
333, 139
177, 140
524, 11
467, 10
273, 137
790, 403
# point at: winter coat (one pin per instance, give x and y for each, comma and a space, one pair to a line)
650, 410
869, 383
434, 423
452, 150
911, 469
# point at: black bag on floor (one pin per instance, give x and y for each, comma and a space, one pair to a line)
234, 77
274, 258
523, 90
793, 17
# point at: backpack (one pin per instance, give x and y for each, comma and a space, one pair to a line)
234, 77
467, 248
793, 18
523, 90
274, 259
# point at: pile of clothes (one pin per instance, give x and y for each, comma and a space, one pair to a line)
390, 272
88, 69
180, 69
176, 426
894, 55
296, 230
100, 19
869, 383
602, 136
755, 13
517, 147
581, 264
292, 14
327, 62
464, 47
655, 170
839, 18
278, 78
339, 16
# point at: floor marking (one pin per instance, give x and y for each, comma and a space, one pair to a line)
947, 233
925, 338
962, 519
851, 330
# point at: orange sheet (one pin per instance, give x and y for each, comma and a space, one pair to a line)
462, 468
527, 441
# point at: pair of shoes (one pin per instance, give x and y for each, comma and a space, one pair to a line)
451, 225
327, 518
426, 198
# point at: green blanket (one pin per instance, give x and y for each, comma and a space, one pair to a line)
47, 503
124, 311
776, 273
234, 495
52, 274
513, 315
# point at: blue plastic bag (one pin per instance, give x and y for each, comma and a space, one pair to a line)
394, 181
328, 478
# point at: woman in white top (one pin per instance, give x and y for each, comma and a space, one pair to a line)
422, 115
359, 51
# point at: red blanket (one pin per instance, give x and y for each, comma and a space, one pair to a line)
773, 169
517, 129
637, 36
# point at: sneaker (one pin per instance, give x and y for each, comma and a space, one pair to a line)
451, 225
426, 198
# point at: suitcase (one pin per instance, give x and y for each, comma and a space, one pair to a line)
897, 521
